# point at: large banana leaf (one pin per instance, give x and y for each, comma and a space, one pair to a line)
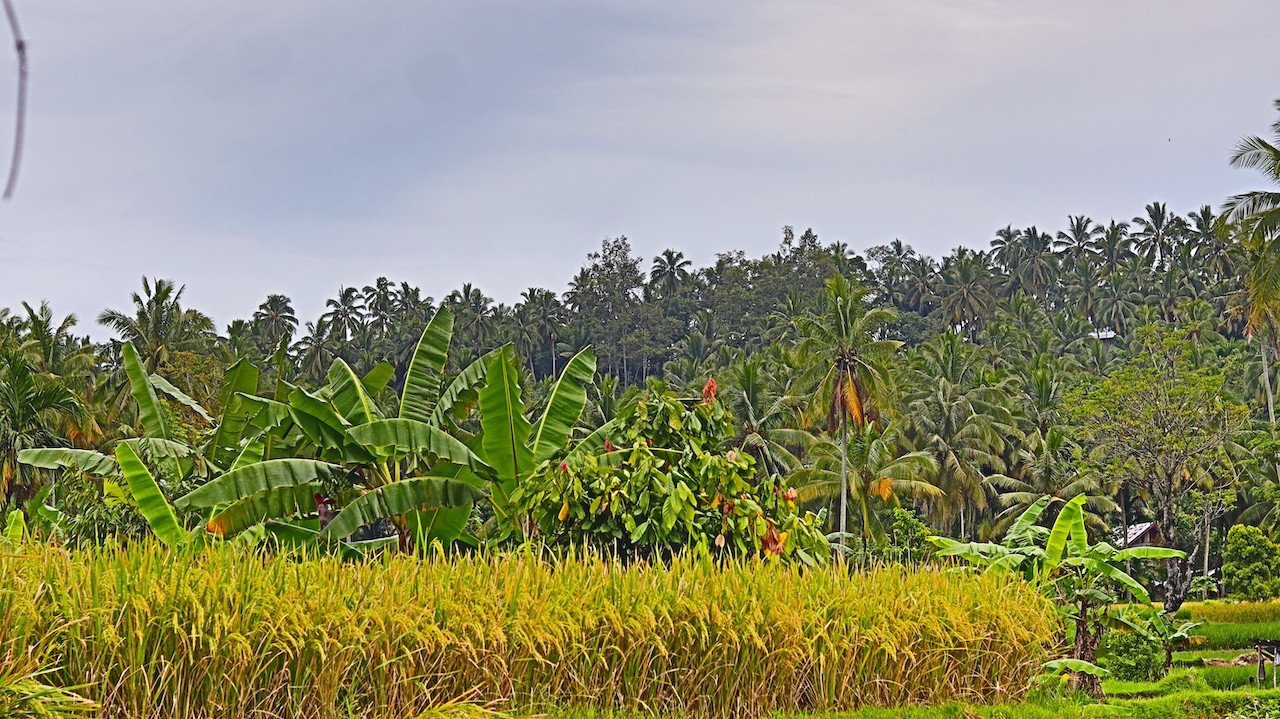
444, 525
399, 498
426, 369
1069, 524
254, 451
348, 394
1022, 526
251, 479
151, 413
15, 528
564, 406
242, 378
270, 504
378, 378
163, 385
504, 443
146, 494
85, 460
410, 437
467, 380
319, 420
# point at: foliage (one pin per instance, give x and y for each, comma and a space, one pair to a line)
1085, 578
1251, 564
663, 476
1129, 656
162, 632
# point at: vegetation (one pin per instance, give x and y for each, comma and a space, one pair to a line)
726, 490
158, 634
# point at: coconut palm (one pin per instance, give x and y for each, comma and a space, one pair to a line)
159, 325
848, 365
880, 468
670, 270
345, 315
31, 408
275, 318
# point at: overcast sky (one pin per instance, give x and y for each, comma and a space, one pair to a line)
247, 147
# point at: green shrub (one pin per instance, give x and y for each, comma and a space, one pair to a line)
670, 478
1132, 658
1251, 564
1257, 709
235, 634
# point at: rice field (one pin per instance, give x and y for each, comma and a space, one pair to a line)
148, 633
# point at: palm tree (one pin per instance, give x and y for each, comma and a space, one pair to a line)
31, 407
346, 313
764, 411
881, 468
1158, 233
275, 318
670, 270
542, 310
159, 325
966, 294
1078, 241
848, 371
1113, 247
1258, 211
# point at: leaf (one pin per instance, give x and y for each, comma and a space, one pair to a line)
348, 394
249, 480
85, 460
241, 379
504, 442
564, 406
253, 452
468, 379
399, 498
146, 495
594, 442
1079, 666
1149, 553
426, 369
407, 436
270, 504
162, 385
321, 421
15, 527
1070, 521
1022, 526
378, 378
150, 412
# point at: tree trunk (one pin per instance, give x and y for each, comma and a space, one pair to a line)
844, 476
1266, 382
1086, 649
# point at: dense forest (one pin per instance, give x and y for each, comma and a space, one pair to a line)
1129, 359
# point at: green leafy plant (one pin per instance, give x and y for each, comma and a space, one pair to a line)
1251, 564
663, 475
1085, 578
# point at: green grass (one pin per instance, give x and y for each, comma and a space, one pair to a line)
1182, 705
1236, 636
1183, 680
1227, 612
1196, 657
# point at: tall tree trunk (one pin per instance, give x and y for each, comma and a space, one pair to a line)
1266, 382
844, 476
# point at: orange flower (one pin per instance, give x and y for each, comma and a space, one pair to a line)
709, 391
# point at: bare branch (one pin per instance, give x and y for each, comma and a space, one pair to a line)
20, 46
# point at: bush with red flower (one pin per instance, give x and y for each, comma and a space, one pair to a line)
664, 476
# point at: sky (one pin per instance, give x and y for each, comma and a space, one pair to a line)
295, 146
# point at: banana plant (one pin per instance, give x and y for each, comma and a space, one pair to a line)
331, 452
1085, 579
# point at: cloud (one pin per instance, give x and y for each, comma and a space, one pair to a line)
245, 148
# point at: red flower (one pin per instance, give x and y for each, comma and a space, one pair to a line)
709, 391
790, 494
564, 466
608, 446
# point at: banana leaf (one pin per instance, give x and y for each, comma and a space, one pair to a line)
467, 381
259, 477
150, 412
255, 509
426, 369
147, 496
564, 406
242, 378
85, 460
163, 385
410, 437
504, 442
399, 498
